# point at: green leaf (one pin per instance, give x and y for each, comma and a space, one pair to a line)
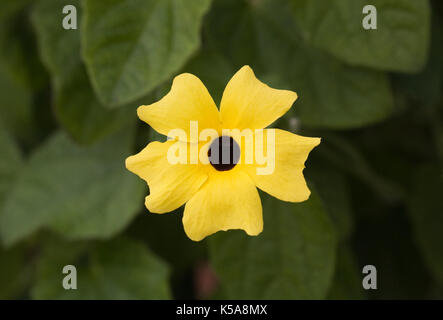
119, 269
293, 258
15, 271
10, 162
345, 97
76, 106
425, 87
264, 35
80, 192
166, 237
333, 190
18, 48
15, 106
339, 152
10, 8
425, 209
131, 46
399, 43
348, 278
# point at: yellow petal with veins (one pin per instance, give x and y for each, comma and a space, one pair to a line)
228, 200
188, 100
170, 185
249, 103
286, 182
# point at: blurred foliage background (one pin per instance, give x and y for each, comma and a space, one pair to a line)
68, 121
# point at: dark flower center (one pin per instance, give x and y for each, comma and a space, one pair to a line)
224, 153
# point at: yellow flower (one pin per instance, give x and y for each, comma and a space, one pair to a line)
221, 195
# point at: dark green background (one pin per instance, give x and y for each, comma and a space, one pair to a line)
68, 102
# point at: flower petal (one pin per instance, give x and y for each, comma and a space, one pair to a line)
287, 182
170, 185
228, 200
249, 103
188, 100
